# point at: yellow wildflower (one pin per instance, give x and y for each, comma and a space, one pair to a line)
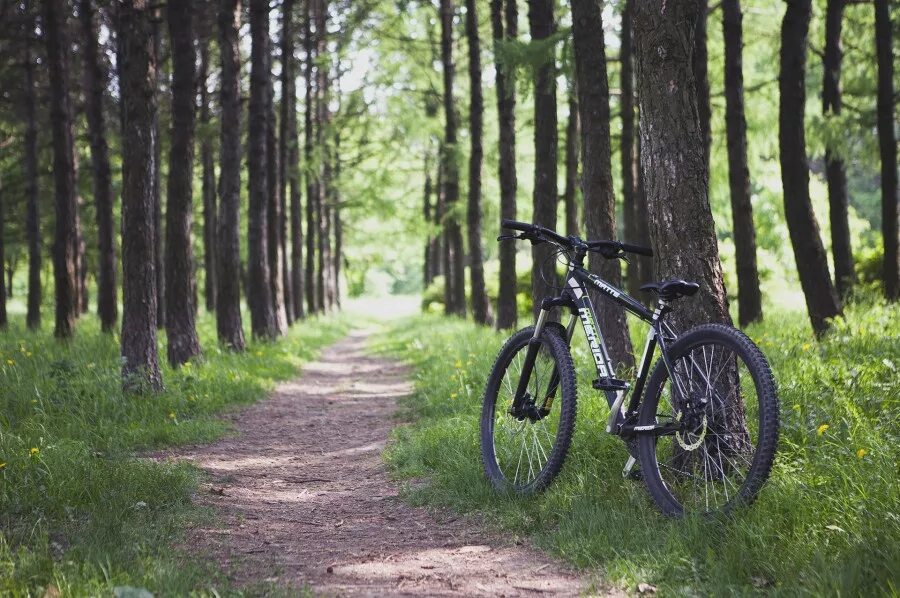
453, 395
258, 353
796, 406
10, 362
821, 429
861, 453
458, 364
2, 465
27, 353
171, 415
806, 346
34, 451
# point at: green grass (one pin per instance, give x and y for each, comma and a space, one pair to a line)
78, 510
828, 521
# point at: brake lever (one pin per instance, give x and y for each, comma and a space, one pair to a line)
508, 237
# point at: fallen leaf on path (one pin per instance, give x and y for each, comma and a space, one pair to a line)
646, 588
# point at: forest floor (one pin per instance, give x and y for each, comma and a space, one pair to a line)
304, 499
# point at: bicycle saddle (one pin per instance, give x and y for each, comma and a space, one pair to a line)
671, 289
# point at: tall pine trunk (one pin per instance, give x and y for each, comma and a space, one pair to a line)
427, 209
259, 290
454, 270
3, 286
597, 184
32, 217
140, 360
323, 189
181, 329
749, 296
157, 176
228, 254
274, 214
838, 202
542, 26
480, 304
207, 162
289, 142
673, 162
66, 237
504, 21
312, 166
887, 143
573, 131
812, 266
700, 60
94, 84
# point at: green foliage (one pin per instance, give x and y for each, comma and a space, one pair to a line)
78, 509
826, 523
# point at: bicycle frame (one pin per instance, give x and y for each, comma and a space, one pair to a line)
575, 296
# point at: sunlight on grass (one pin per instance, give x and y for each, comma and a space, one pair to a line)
77, 510
828, 521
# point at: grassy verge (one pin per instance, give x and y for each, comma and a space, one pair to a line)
77, 511
827, 523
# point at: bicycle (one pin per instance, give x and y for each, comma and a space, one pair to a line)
705, 442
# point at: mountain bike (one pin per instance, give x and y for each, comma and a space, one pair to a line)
702, 422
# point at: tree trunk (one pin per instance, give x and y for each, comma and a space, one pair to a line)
157, 177
673, 163
749, 297
312, 166
812, 266
437, 245
428, 273
507, 312
3, 286
81, 265
700, 60
888, 145
275, 215
140, 360
64, 254
632, 211
228, 254
289, 142
181, 329
838, 202
454, 275
573, 131
597, 184
542, 25
323, 213
480, 305
338, 253
286, 143
32, 219
94, 84
207, 161
259, 290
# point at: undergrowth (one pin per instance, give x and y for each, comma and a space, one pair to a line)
80, 513
827, 522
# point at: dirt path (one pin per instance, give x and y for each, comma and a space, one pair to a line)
304, 498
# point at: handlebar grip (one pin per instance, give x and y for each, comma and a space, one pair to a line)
638, 249
516, 225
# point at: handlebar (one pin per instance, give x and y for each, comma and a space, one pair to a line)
537, 234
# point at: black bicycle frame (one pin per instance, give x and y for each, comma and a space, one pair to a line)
575, 296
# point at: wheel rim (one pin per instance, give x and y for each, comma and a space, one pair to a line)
705, 468
522, 448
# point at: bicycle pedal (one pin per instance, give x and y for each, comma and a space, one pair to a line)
610, 384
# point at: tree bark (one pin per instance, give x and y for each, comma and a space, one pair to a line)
275, 214
289, 142
140, 360
312, 166
812, 266
228, 255
749, 296
836, 177
887, 143
64, 249
507, 312
181, 330
286, 143
573, 131
542, 25
259, 290
632, 212
480, 305
597, 185
427, 209
454, 275
3, 286
32, 219
700, 61
94, 83
437, 244
673, 163
207, 161
323, 215
157, 177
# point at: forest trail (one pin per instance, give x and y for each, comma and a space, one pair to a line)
303, 498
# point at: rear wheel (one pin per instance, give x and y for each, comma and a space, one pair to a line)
727, 408
525, 453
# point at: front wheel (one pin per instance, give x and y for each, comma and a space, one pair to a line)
722, 397
525, 452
